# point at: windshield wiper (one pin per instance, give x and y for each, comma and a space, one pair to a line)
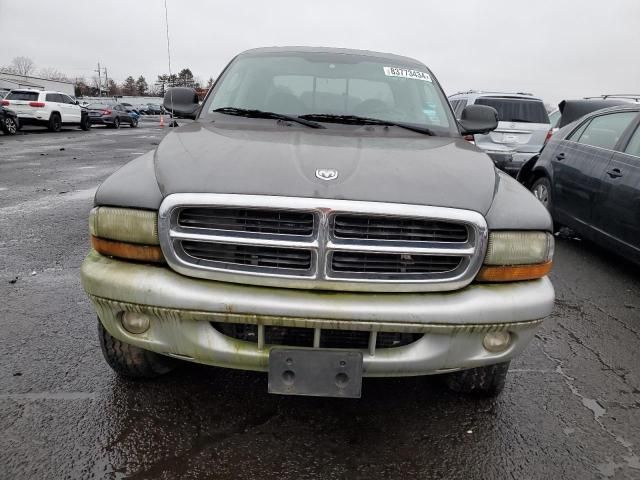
520, 120
357, 120
249, 113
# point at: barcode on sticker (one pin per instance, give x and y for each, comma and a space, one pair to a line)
406, 73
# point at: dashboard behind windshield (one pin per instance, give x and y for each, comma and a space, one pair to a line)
306, 83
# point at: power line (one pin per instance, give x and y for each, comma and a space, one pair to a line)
166, 21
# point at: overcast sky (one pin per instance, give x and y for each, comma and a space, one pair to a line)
555, 49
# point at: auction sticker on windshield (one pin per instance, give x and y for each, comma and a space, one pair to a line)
406, 73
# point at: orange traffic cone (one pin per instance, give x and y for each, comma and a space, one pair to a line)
161, 121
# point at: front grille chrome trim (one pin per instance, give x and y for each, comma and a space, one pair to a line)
321, 244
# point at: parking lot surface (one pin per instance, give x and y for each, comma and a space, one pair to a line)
571, 407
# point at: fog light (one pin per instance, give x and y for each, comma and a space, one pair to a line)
496, 341
135, 322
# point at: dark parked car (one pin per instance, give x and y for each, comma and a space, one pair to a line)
588, 176
9, 123
110, 114
572, 110
131, 109
568, 112
308, 223
153, 109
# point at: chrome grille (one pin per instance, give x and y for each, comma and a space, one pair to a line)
392, 263
258, 220
321, 244
250, 255
399, 228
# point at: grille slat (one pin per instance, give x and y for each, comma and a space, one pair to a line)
259, 256
365, 227
392, 263
303, 337
248, 220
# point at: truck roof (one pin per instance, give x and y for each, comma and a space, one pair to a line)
343, 51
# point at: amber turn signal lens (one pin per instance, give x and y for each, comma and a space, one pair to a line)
130, 251
513, 273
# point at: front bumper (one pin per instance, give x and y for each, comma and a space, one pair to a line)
181, 308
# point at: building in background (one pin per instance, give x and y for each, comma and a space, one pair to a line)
11, 81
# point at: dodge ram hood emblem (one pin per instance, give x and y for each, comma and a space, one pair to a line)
326, 173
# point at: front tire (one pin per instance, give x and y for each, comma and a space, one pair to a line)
116, 123
134, 123
10, 127
55, 122
481, 381
85, 123
131, 361
541, 189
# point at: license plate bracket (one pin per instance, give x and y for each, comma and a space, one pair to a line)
318, 372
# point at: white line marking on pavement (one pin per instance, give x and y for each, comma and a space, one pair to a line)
49, 396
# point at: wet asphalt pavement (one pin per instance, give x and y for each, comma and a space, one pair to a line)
571, 407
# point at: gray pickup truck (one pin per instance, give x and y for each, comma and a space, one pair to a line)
321, 220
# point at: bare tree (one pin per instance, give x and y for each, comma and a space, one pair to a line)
23, 65
52, 74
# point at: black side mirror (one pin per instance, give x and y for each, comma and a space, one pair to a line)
182, 102
478, 119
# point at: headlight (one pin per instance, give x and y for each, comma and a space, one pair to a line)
125, 233
513, 255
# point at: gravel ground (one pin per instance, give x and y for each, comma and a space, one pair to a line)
571, 408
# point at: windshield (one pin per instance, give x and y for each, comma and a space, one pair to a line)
25, 96
295, 84
516, 109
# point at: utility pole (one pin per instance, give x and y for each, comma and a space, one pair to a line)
106, 79
99, 80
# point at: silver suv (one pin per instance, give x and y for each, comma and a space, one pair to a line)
522, 131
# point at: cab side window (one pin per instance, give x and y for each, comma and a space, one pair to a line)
605, 131
633, 147
53, 97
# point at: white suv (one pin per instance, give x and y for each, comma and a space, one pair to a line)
46, 108
523, 126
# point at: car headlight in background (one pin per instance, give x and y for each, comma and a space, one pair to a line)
515, 255
125, 233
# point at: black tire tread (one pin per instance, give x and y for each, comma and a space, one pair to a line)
52, 125
485, 381
131, 361
544, 179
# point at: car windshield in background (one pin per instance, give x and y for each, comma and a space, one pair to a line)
516, 109
25, 96
334, 85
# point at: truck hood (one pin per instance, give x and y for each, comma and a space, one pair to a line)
212, 158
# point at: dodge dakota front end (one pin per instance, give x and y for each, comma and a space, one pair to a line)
322, 220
